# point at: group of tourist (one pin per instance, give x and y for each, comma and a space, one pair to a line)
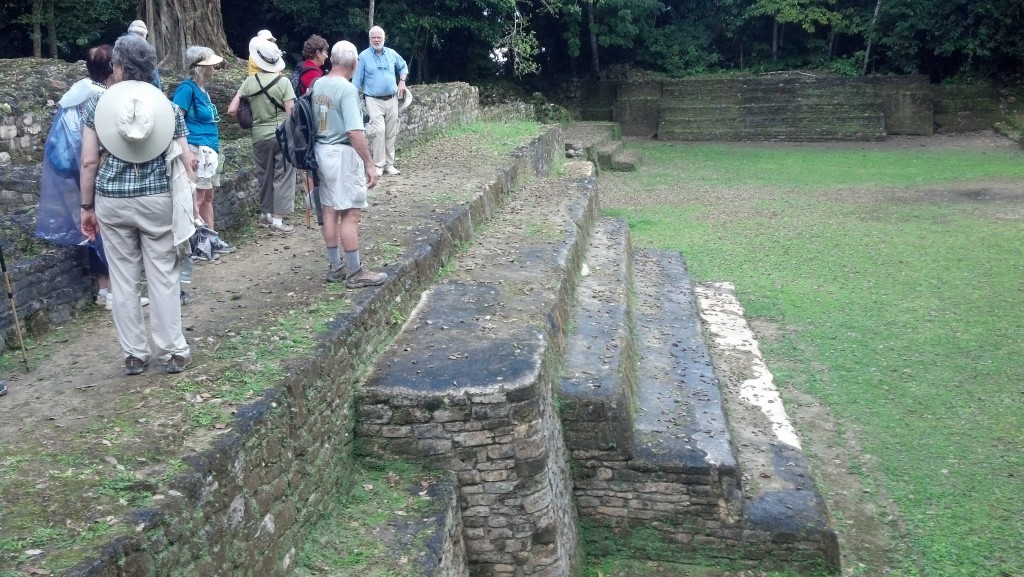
148, 167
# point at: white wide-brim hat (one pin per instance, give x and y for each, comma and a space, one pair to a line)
267, 56
405, 101
134, 121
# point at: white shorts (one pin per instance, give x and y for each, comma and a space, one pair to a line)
342, 177
208, 171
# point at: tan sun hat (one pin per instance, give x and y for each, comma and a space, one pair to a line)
405, 101
211, 60
134, 121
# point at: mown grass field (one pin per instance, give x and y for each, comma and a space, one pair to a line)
895, 276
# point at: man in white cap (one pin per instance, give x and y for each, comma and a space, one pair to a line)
346, 169
271, 98
139, 27
375, 77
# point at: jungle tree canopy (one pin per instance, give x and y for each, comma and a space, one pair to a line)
456, 39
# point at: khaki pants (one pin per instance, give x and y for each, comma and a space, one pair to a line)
384, 125
275, 176
137, 233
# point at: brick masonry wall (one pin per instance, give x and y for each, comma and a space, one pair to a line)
789, 107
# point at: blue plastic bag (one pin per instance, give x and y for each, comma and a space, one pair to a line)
59, 216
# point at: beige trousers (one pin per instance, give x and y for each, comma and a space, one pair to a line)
137, 234
384, 126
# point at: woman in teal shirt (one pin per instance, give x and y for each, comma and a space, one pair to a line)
203, 135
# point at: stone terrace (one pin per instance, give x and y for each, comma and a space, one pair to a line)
476, 381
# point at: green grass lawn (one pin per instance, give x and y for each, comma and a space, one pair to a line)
902, 308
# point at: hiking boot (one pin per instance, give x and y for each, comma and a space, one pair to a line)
133, 366
3, 388
265, 220
336, 274
364, 278
221, 247
281, 228
184, 298
177, 364
391, 170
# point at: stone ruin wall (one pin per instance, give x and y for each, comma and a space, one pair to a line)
790, 107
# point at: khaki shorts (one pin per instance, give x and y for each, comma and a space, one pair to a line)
342, 177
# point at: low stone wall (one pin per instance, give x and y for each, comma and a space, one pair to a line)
241, 507
49, 290
965, 108
798, 107
494, 423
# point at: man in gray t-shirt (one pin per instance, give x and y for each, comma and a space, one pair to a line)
346, 169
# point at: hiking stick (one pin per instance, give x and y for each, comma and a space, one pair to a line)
309, 201
14, 309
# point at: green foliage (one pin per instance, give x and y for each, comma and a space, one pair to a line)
515, 38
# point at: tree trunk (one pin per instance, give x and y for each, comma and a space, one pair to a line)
174, 25
595, 65
51, 28
871, 36
775, 40
37, 30
373, 7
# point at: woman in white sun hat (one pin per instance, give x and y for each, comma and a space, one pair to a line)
260, 36
271, 98
126, 194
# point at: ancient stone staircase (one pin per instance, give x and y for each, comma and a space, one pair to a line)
570, 398
601, 143
572, 393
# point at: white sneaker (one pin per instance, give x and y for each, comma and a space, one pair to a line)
110, 301
380, 171
391, 170
283, 228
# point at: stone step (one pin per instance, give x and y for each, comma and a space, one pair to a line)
467, 384
782, 502
645, 420
627, 160
680, 415
596, 393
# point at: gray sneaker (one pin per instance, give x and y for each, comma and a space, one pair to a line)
221, 247
364, 278
336, 274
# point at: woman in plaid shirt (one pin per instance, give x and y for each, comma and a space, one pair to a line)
126, 194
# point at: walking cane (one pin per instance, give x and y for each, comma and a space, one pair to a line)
14, 309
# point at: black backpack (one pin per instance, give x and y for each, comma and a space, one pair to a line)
297, 78
297, 135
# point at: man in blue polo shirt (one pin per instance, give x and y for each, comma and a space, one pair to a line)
379, 68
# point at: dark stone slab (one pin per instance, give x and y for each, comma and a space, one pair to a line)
444, 350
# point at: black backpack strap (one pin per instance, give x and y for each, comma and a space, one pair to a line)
263, 90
